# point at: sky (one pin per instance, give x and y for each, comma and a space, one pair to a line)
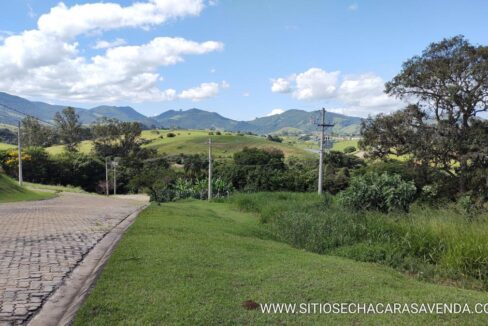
243, 59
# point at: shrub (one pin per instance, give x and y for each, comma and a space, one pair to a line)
349, 149
170, 135
218, 133
382, 192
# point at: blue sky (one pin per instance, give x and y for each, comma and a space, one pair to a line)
242, 59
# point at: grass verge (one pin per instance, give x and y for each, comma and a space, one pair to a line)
11, 192
195, 263
438, 245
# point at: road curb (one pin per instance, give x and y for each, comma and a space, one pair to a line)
61, 307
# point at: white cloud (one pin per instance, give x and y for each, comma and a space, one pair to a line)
47, 61
68, 22
275, 112
358, 95
246, 94
353, 7
201, 92
315, 84
102, 44
281, 85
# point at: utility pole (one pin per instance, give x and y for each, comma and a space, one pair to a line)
115, 177
323, 125
20, 156
210, 169
106, 176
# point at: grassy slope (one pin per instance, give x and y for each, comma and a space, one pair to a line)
194, 263
4, 146
195, 141
10, 191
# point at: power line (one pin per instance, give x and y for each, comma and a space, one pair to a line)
27, 115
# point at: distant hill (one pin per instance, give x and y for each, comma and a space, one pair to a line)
199, 119
122, 113
291, 120
305, 121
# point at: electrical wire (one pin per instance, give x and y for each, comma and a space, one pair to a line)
27, 115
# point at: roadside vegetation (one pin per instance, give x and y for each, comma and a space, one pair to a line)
197, 263
442, 245
11, 192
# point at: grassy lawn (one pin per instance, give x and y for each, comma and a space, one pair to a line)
340, 145
10, 192
195, 142
4, 146
195, 263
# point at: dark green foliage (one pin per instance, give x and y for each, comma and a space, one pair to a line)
449, 81
276, 139
68, 128
349, 149
33, 133
382, 192
7, 136
77, 169
122, 140
170, 135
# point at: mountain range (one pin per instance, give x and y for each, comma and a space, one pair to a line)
291, 120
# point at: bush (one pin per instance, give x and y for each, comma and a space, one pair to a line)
382, 192
349, 149
170, 135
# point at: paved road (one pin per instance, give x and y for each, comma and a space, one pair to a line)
41, 242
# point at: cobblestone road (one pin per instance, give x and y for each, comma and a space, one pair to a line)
41, 242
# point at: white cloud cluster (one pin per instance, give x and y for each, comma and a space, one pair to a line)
47, 62
275, 112
203, 91
358, 95
68, 22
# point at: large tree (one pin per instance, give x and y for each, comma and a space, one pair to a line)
34, 133
449, 84
68, 127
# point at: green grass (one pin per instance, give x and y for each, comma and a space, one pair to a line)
4, 146
85, 147
11, 192
195, 263
55, 188
340, 145
195, 142
440, 245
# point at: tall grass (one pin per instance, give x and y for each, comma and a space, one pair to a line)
439, 245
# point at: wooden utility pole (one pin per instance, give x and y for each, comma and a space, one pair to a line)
210, 169
323, 125
106, 176
19, 143
115, 177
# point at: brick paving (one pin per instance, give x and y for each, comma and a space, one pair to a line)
42, 241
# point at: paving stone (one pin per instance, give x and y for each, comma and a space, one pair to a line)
41, 242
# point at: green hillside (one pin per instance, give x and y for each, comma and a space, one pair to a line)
10, 191
195, 142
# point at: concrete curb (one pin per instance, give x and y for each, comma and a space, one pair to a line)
61, 307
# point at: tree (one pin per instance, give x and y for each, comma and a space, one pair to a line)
33, 133
449, 82
68, 127
113, 138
